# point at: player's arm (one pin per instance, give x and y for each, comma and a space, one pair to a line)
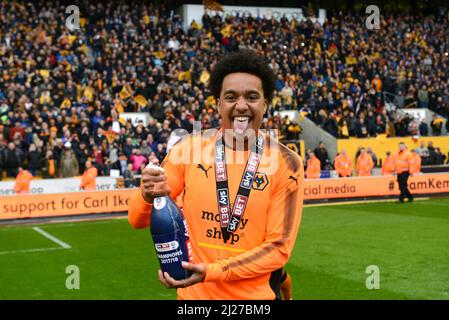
284, 217
154, 183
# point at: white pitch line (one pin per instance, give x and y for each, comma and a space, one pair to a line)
52, 238
62, 224
31, 250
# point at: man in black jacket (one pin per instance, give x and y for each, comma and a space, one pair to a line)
12, 160
322, 155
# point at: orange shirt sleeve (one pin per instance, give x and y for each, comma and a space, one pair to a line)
22, 183
18, 185
337, 163
88, 177
309, 170
84, 179
317, 165
139, 211
284, 217
410, 159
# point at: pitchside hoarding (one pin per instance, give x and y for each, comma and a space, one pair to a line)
75, 203
64, 204
376, 186
46, 186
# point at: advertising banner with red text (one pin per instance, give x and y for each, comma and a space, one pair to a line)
76, 203
63, 204
356, 187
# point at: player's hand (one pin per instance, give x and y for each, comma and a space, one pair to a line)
199, 273
154, 183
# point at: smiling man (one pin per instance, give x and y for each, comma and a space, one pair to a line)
244, 215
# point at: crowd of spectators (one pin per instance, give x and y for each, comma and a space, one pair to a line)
352, 72
62, 93
431, 155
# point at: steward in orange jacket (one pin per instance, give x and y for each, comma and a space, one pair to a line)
313, 170
88, 180
388, 165
364, 163
343, 164
23, 180
402, 160
402, 163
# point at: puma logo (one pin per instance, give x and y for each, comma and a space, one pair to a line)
200, 166
293, 178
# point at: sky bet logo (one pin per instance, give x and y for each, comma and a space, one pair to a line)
223, 206
239, 208
220, 164
246, 182
260, 142
250, 171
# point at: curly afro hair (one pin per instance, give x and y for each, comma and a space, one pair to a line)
243, 61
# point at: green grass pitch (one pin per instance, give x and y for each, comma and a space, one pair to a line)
408, 243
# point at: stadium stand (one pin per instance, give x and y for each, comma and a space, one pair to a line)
64, 90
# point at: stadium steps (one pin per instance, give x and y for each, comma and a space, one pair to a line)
428, 114
427, 119
312, 134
